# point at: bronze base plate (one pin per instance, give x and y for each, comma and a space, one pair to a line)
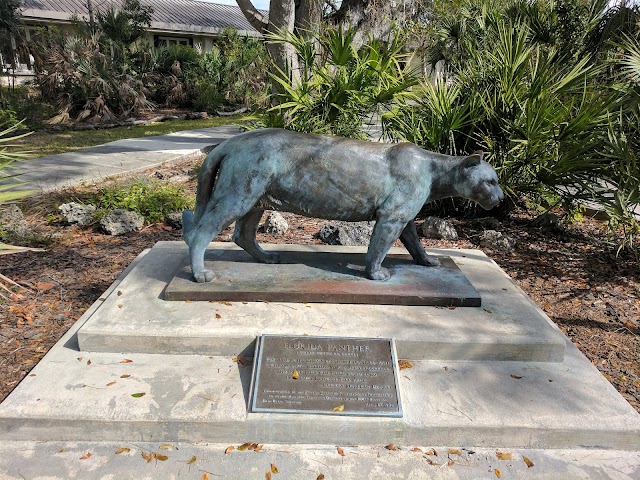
323, 277
325, 375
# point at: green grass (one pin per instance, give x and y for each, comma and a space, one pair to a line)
41, 144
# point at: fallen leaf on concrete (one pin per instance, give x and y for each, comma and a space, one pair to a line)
517, 377
125, 376
339, 408
295, 375
229, 449
416, 449
228, 304
244, 447
488, 310
192, 460
391, 446
432, 451
504, 456
320, 477
267, 476
274, 469
86, 455
498, 473
161, 457
253, 446
61, 450
126, 360
244, 361
454, 451
148, 457
166, 446
218, 315
527, 461
404, 364
258, 448
138, 395
110, 383
89, 362
205, 476
450, 463
123, 450
429, 461
340, 451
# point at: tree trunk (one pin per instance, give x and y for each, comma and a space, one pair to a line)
308, 17
281, 21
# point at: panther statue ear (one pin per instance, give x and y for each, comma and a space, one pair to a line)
473, 160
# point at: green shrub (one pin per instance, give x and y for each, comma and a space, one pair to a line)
151, 199
340, 86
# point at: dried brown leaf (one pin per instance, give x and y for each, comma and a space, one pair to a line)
517, 377
258, 448
253, 446
125, 376
89, 362
498, 473
244, 447
123, 450
192, 460
147, 456
86, 455
527, 461
391, 446
274, 469
110, 383
450, 463
267, 475
340, 451
432, 451
504, 456
205, 476
416, 449
229, 449
161, 457
404, 364
126, 360
44, 286
455, 451
228, 304
339, 408
166, 446
295, 375
320, 477
218, 316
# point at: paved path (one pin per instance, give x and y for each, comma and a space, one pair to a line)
115, 158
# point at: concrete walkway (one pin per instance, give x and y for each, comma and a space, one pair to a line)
115, 158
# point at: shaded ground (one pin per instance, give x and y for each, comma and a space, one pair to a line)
570, 272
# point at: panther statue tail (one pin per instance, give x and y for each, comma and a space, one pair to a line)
206, 179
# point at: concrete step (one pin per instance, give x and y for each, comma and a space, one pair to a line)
507, 327
64, 460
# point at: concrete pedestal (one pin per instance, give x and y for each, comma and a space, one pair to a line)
497, 376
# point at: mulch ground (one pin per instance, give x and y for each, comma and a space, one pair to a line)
571, 272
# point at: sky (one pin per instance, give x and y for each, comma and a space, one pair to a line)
261, 4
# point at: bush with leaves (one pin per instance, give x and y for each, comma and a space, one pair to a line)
151, 199
554, 115
340, 87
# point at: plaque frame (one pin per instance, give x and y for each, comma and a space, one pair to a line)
256, 371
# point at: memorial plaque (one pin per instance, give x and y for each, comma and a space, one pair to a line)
327, 375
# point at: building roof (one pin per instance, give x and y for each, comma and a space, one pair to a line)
183, 16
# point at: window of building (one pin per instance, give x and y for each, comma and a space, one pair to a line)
162, 41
